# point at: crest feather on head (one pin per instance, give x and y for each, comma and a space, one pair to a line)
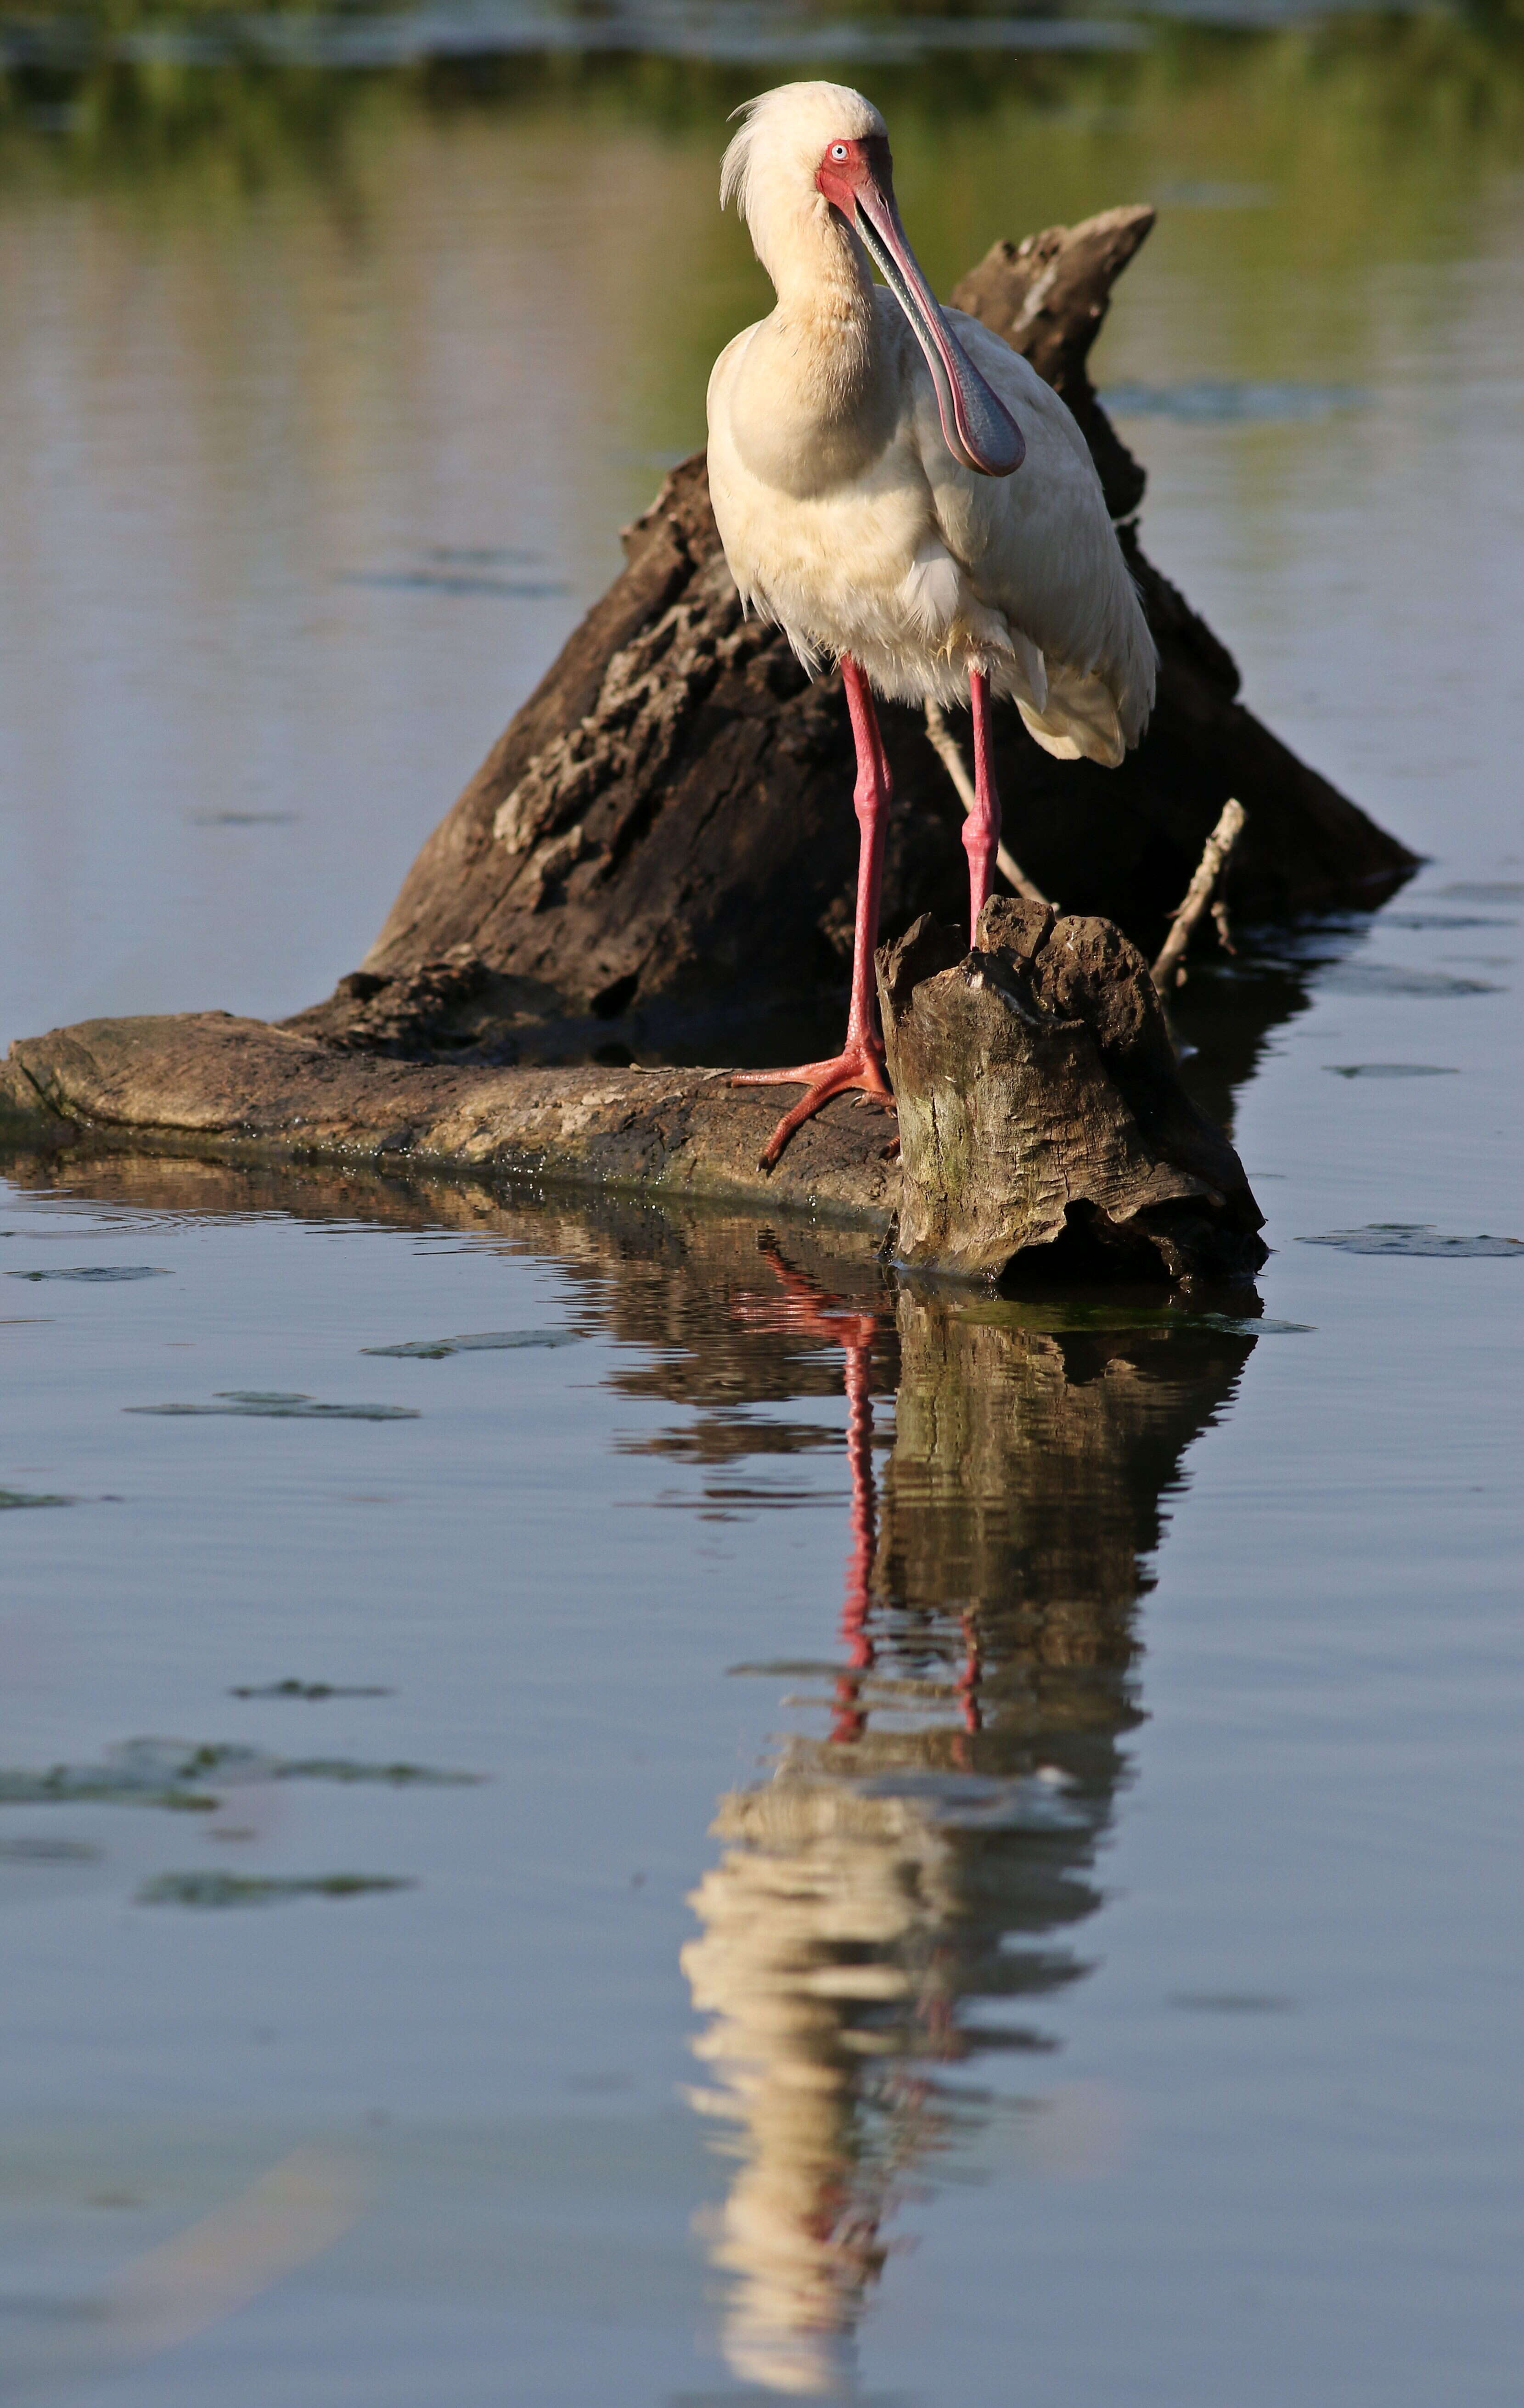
784, 134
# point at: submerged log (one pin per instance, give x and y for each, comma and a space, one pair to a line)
1039, 1099
660, 849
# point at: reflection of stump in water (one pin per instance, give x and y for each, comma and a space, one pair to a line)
873, 1889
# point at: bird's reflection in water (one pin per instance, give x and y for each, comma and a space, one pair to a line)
891, 1903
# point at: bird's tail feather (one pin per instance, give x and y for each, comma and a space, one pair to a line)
1079, 720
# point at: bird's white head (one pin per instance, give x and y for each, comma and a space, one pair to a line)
812, 157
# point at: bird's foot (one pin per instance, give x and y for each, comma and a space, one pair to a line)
859, 1064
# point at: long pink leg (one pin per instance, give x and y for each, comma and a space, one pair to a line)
982, 829
860, 1062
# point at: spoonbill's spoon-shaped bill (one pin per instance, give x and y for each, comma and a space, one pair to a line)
857, 179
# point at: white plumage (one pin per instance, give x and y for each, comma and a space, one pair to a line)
846, 518
901, 493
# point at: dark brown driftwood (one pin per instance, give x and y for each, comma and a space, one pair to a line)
661, 844
1038, 1094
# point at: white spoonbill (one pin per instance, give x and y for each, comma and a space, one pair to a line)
900, 492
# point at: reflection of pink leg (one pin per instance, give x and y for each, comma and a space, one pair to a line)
982, 829
860, 1062
969, 1679
849, 1720
806, 1306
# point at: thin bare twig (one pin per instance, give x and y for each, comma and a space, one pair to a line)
1169, 968
948, 751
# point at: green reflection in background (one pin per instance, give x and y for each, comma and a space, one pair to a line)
1290, 166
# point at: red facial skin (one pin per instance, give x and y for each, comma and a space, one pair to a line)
865, 162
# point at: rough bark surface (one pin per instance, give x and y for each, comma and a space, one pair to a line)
675, 784
1038, 1097
207, 1084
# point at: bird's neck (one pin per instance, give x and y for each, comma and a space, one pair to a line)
825, 317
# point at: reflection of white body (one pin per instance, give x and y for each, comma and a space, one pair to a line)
900, 492
846, 517
818, 1923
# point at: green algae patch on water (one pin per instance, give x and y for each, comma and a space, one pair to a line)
178, 1773
1415, 1238
481, 1341
16, 1500
255, 1889
281, 1405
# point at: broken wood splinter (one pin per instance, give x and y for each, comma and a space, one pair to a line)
1169, 962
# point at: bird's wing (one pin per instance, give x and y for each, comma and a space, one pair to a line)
1039, 547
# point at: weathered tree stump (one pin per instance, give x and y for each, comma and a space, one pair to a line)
1038, 1097
676, 790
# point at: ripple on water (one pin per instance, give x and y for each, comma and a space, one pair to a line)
1391, 1069
261, 1889
283, 1405
97, 1274
1207, 402
1412, 1238
1391, 978
480, 1342
313, 1690
183, 1773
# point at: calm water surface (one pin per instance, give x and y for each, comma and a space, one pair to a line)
949, 1851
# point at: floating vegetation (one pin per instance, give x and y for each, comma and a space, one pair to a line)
179, 1773
283, 1405
481, 1341
1391, 1069
312, 1689
15, 1500
1389, 978
257, 1890
97, 1274
1412, 1238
